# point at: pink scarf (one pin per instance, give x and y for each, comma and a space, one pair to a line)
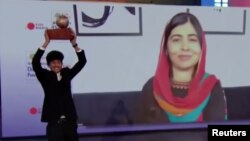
199, 89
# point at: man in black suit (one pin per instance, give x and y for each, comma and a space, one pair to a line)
58, 107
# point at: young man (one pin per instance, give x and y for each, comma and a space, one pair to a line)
58, 107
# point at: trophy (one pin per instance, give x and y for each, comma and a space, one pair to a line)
62, 32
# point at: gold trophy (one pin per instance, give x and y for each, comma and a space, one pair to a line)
62, 32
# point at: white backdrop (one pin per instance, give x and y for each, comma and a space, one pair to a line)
115, 63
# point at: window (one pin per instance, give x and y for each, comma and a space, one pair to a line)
221, 3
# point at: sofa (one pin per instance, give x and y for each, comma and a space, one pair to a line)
113, 108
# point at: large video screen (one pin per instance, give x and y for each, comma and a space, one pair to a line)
147, 65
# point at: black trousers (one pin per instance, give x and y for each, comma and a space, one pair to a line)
62, 131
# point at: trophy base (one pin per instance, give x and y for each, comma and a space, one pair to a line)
60, 34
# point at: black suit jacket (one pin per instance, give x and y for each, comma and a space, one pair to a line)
58, 97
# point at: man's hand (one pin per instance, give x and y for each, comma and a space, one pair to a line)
47, 40
73, 41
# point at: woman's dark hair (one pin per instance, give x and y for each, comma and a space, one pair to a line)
182, 18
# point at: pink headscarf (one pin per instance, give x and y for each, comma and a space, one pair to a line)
199, 89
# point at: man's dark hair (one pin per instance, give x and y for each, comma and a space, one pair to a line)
54, 55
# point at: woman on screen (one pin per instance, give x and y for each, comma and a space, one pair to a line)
181, 90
